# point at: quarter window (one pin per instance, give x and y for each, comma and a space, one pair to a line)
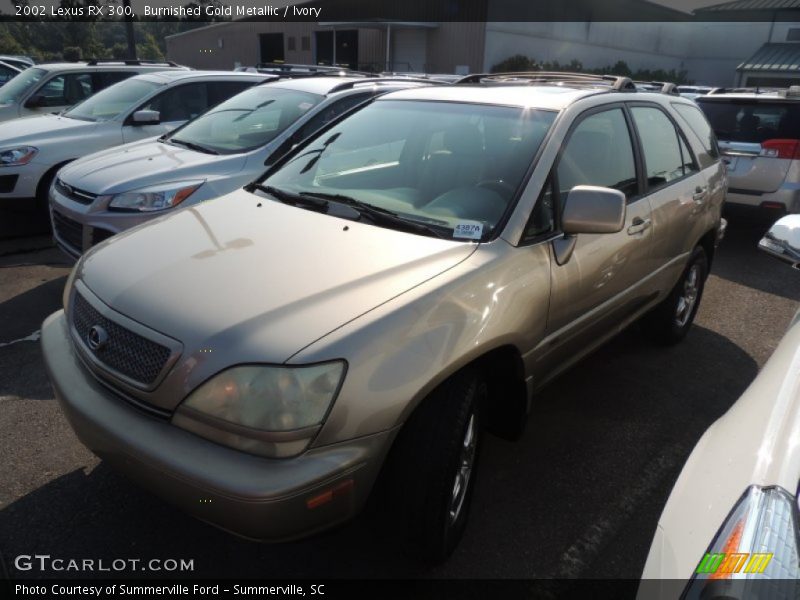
662, 152
599, 152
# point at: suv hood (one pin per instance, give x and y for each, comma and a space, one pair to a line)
143, 164
33, 130
253, 280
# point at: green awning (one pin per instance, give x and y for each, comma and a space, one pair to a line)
773, 58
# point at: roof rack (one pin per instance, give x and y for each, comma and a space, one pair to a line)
132, 62
348, 85
664, 87
615, 82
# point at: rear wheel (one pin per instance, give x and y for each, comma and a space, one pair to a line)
432, 468
671, 320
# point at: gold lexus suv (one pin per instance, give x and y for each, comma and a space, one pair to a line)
349, 324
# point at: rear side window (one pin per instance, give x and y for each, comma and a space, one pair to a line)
751, 121
219, 91
698, 124
103, 79
599, 152
662, 151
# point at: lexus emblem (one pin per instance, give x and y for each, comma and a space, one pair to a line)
97, 338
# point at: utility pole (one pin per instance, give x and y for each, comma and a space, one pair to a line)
129, 30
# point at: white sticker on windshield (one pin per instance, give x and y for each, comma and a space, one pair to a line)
304, 106
470, 230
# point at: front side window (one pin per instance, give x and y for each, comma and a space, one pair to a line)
18, 86
248, 120
599, 152
662, 152
180, 103
112, 101
65, 90
450, 166
6, 74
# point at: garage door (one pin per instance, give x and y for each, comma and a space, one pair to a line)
409, 49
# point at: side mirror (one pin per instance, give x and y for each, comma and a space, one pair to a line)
592, 209
36, 101
146, 117
588, 209
783, 240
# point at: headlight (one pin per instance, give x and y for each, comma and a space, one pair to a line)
155, 198
266, 410
758, 541
17, 156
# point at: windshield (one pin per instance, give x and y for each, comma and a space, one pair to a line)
13, 91
112, 101
248, 120
752, 121
451, 166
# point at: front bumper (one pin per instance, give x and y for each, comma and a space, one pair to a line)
254, 497
77, 227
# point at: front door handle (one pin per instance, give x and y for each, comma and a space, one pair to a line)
700, 194
639, 225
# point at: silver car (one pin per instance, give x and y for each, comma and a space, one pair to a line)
113, 190
759, 138
410, 275
53, 87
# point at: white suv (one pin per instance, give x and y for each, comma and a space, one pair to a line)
759, 138
53, 87
32, 150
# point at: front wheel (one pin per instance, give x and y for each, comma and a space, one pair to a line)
669, 322
432, 468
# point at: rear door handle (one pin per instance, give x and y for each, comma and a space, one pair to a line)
638, 225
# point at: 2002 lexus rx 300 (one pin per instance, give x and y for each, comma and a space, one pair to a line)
409, 275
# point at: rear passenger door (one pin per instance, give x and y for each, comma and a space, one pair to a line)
677, 190
603, 282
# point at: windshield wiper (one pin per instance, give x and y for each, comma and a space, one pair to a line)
289, 197
376, 214
191, 146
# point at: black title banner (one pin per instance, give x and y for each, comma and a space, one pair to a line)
390, 10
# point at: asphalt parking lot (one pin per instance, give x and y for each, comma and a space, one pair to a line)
578, 496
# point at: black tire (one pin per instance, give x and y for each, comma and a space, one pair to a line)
669, 322
423, 465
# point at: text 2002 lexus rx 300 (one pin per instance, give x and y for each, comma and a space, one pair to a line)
412, 273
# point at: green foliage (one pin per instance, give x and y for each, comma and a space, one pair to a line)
55, 40
72, 53
519, 62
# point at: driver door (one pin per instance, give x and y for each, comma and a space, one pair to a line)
604, 280
175, 106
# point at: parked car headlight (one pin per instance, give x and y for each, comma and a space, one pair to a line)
15, 157
156, 198
271, 411
758, 541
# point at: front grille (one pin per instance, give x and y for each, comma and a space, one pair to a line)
125, 352
73, 193
69, 231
